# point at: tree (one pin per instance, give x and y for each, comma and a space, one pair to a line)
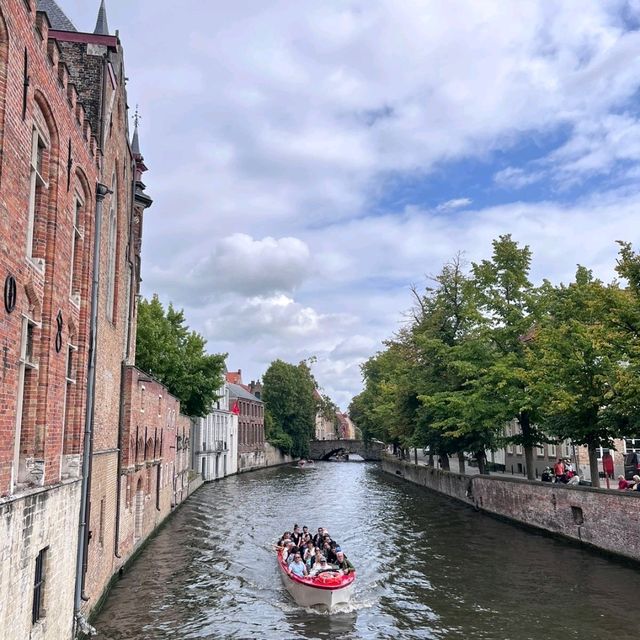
288, 395
511, 307
443, 336
581, 366
175, 356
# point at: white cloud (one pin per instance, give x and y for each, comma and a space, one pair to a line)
452, 205
285, 123
516, 178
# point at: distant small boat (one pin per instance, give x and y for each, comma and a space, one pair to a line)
328, 588
305, 463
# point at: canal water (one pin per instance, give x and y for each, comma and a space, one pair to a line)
427, 568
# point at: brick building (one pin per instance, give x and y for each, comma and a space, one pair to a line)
154, 460
80, 442
49, 172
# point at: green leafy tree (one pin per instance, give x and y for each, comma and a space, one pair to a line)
511, 306
581, 366
288, 395
176, 356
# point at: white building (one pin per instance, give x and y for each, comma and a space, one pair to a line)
215, 440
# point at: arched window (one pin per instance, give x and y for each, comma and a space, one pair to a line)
112, 250
41, 172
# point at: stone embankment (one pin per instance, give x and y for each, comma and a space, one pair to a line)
605, 519
268, 456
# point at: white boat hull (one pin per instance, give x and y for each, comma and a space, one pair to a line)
308, 595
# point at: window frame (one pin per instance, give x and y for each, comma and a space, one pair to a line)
38, 611
39, 144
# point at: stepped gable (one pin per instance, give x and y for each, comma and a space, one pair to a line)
56, 15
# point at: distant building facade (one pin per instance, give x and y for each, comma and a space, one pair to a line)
214, 443
325, 425
346, 427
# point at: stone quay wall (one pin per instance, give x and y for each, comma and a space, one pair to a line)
266, 456
43, 518
607, 520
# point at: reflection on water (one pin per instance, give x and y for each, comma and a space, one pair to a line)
427, 568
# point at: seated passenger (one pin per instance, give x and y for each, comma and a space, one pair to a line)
317, 539
331, 553
286, 550
309, 553
285, 536
296, 535
297, 567
316, 556
321, 565
343, 562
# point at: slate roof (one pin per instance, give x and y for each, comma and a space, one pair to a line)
57, 18
236, 391
102, 26
135, 143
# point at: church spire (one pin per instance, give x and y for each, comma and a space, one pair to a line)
102, 26
135, 142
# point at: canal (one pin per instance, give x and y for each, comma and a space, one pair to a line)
427, 568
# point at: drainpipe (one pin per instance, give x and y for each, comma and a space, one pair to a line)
116, 544
83, 533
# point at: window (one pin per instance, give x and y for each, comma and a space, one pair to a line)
540, 451
38, 611
552, 450
27, 392
142, 393
69, 396
519, 449
567, 448
632, 445
112, 250
37, 184
76, 252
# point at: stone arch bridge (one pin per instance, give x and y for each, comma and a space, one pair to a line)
324, 449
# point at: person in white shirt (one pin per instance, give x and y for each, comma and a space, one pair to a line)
320, 565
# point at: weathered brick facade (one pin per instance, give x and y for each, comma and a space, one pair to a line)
155, 442
64, 142
48, 174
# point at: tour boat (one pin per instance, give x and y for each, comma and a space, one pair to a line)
328, 588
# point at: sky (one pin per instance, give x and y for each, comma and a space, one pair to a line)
310, 161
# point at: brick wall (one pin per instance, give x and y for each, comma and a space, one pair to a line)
154, 459
68, 169
605, 519
41, 438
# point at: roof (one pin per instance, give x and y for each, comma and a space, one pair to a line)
102, 26
236, 391
56, 15
135, 143
234, 376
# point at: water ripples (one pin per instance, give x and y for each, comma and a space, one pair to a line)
428, 568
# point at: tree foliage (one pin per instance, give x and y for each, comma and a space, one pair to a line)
290, 406
176, 356
484, 346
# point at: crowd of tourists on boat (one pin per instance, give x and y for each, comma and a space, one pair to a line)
309, 555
